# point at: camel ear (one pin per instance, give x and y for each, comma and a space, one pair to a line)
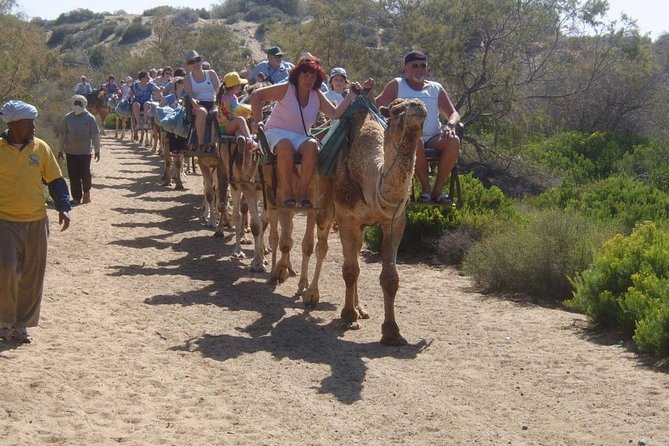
385, 112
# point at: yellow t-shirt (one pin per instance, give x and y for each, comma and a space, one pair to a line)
21, 173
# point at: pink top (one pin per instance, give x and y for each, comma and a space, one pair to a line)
286, 112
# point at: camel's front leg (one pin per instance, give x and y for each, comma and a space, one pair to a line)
273, 221
237, 222
283, 268
392, 235
324, 218
307, 250
258, 261
351, 241
209, 214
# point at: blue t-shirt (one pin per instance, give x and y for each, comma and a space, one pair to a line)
274, 75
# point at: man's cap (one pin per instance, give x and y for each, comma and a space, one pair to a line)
338, 71
79, 98
413, 56
232, 79
16, 110
191, 55
275, 51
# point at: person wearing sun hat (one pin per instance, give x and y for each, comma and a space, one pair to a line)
413, 84
201, 86
274, 67
338, 83
25, 163
233, 116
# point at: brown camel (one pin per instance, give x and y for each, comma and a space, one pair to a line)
370, 186
241, 168
99, 106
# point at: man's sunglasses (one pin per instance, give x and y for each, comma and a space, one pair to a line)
418, 65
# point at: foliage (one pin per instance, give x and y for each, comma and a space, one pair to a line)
627, 287
537, 254
77, 16
649, 163
59, 34
619, 199
580, 157
135, 32
482, 208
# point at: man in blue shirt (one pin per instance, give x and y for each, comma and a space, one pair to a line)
275, 68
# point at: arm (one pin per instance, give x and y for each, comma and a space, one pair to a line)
447, 109
95, 136
388, 94
261, 95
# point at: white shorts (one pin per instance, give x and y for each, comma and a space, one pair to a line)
296, 139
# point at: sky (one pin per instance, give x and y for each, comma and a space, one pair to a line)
652, 16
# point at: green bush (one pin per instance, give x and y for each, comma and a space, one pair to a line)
649, 163
627, 287
620, 198
581, 157
135, 32
59, 34
482, 208
537, 254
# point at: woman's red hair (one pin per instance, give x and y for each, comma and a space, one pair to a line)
306, 65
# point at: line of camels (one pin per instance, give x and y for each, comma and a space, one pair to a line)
370, 186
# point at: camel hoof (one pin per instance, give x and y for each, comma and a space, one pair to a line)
362, 314
179, 187
167, 184
346, 325
393, 340
311, 297
282, 275
257, 268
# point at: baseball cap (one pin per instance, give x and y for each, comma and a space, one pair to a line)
275, 51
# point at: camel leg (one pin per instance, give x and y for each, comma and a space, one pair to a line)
237, 222
178, 161
167, 173
258, 261
209, 214
273, 221
351, 245
307, 251
222, 188
392, 235
284, 268
324, 218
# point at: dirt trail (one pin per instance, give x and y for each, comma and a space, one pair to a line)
151, 335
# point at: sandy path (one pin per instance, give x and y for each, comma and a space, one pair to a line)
151, 335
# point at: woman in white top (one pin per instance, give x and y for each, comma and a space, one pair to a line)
201, 86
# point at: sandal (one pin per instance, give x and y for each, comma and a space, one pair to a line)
289, 202
424, 198
306, 204
444, 199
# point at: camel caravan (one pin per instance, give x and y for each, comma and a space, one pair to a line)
358, 172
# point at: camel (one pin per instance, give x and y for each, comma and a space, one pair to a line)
241, 167
98, 105
370, 186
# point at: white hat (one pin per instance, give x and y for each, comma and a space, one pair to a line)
17, 110
338, 71
80, 98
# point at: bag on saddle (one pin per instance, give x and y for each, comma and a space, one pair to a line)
123, 108
338, 134
175, 122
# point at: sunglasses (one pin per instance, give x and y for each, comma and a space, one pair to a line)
194, 61
418, 65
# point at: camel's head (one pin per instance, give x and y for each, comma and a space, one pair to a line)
405, 116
